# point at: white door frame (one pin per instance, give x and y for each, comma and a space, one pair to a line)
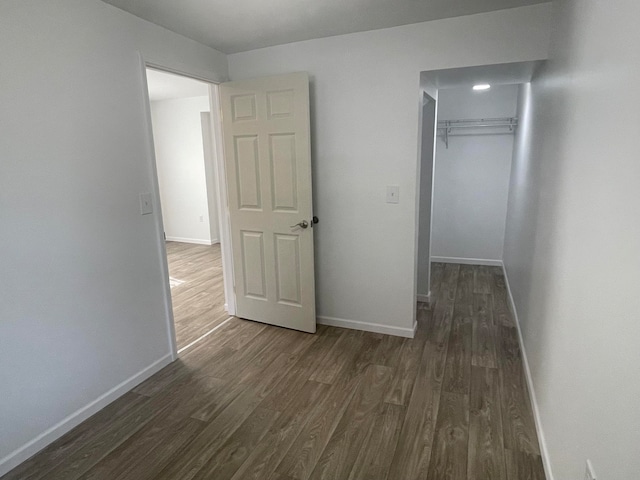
221, 191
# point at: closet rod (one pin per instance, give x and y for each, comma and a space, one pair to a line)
477, 134
478, 125
478, 122
447, 128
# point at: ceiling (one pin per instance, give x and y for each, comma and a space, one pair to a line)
166, 86
238, 25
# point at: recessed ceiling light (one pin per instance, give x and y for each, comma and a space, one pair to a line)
482, 86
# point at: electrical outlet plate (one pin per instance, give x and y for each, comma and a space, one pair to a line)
589, 474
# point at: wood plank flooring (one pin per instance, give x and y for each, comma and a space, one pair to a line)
258, 402
198, 302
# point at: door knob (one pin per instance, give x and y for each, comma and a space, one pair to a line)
302, 224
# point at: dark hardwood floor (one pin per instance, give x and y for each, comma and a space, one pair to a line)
258, 402
197, 292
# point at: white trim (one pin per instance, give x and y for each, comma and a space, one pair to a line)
468, 261
157, 213
196, 241
202, 337
368, 327
224, 221
421, 94
423, 298
206, 124
184, 71
32, 447
544, 451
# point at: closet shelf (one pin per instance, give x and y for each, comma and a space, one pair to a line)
478, 126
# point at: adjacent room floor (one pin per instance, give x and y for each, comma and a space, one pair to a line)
258, 402
197, 289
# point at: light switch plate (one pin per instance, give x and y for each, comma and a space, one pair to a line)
393, 194
146, 206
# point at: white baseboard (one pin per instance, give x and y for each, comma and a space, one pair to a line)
197, 241
423, 298
368, 327
32, 447
544, 451
468, 261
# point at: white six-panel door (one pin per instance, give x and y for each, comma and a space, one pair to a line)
268, 166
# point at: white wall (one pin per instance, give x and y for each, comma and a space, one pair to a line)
81, 290
572, 242
177, 134
471, 182
365, 136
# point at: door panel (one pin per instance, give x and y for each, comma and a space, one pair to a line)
284, 184
254, 264
288, 269
248, 172
268, 164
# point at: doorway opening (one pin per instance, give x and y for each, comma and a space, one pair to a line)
466, 152
477, 140
259, 194
189, 195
